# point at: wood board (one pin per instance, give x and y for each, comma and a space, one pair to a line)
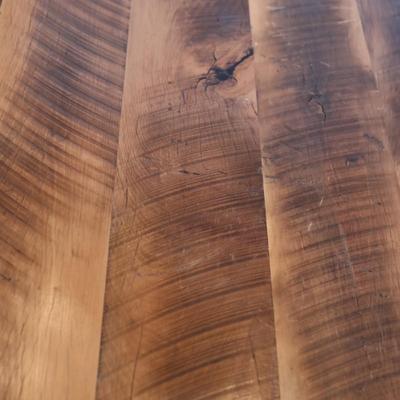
61, 79
332, 195
188, 311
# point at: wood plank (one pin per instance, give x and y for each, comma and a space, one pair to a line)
332, 201
61, 78
188, 310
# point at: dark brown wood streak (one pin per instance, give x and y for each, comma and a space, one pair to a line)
188, 311
332, 198
59, 122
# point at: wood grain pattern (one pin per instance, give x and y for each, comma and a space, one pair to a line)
188, 310
332, 196
61, 77
380, 22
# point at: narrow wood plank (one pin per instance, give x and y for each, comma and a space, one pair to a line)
188, 306
332, 202
61, 78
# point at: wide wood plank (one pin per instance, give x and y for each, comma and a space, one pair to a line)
332, 199
188, 311
61, 79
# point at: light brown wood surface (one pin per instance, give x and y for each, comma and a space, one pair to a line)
188, 311
152, 181
61, 77
332, 195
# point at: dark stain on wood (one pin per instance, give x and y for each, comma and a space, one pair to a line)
216, 74
212, 20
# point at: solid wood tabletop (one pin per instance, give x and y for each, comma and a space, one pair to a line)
147, 147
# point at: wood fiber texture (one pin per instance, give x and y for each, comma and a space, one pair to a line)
380, 22
61, 79
188, 311
327, 84
146, 148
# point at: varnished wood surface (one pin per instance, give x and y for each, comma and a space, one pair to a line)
188, 311
326, 80
61, 78
157, 170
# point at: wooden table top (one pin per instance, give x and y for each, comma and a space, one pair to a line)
199, 199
